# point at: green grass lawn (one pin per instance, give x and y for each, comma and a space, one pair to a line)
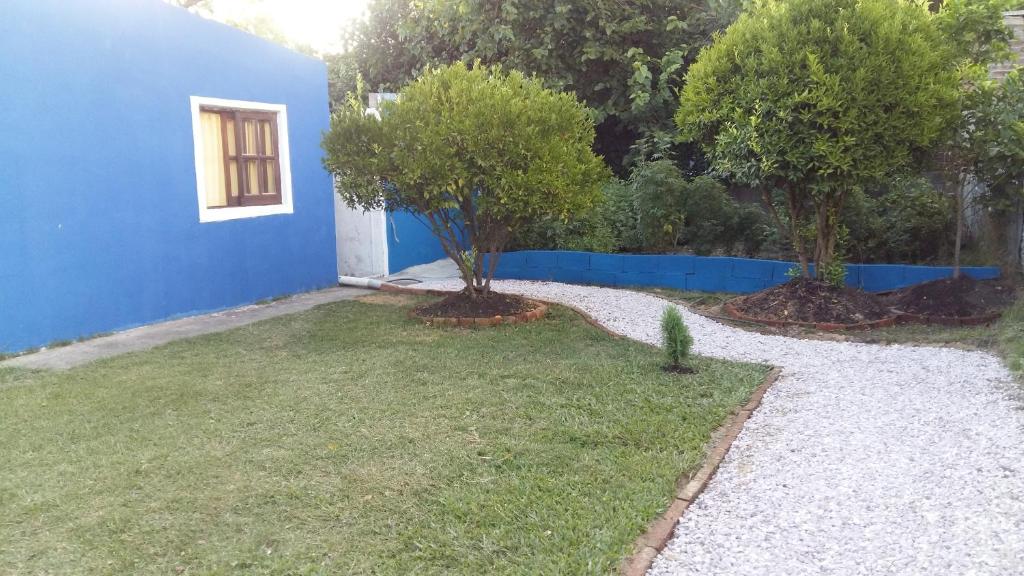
350, 439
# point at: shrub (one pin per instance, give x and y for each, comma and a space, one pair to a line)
697, 213
906, 222
659, 189
675, 337
475, 153
817, 98
608, 226
751, 231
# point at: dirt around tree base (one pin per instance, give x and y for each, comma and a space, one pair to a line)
963, 297
680, 369
807, 300
460, 305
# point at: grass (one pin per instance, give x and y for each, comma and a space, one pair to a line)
350, 439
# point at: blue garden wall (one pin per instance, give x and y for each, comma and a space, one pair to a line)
99, 228
410, 242
705, 274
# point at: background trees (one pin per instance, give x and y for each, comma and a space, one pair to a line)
977, 38
473, 151
815, 99
623, 59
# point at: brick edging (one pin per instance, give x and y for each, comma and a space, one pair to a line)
648, 546
908, 318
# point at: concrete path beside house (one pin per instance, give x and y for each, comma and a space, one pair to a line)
152, 335
862, 459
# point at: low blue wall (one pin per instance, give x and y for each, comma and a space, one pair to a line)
704, 274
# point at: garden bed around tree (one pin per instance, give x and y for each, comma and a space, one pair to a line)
813, 304
459, 309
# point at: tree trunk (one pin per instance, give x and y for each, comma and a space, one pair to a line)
824, 241
793, 230
795, 213
959, 194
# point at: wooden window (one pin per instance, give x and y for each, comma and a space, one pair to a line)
243, 162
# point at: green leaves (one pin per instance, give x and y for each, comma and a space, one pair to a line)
476, 151
820, 97
623, 59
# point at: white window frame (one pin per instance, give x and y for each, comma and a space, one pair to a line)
284, 156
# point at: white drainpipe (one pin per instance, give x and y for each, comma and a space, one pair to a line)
360, 282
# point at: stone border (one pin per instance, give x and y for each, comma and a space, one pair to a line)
731, 310
908, 318
648, 546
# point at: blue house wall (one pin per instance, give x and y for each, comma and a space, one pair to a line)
410, 242
100, 228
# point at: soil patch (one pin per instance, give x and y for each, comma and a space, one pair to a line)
807, 300
953, 298
681, 369
460, 305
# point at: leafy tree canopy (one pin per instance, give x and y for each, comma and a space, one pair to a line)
819, 97
474, 152
624, 59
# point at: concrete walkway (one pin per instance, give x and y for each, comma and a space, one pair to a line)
146, 337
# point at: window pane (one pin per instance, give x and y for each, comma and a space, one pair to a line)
271, 177
268, 139
213, 160
233, 177
250, 137
231, 137
252, 170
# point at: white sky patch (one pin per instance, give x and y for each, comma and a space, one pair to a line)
318, 23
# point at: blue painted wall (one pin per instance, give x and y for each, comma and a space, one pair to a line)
410, 242
704, 274
99, 228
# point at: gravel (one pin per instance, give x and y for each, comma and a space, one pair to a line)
862, 459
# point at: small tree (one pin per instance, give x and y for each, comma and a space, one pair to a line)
978, 38
675, 338
474, 153
815, 99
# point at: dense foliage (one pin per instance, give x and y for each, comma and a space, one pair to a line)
978, 38
908, 221
817, 99
1000, 140
476, 153
624, 59
658, 209
698, 213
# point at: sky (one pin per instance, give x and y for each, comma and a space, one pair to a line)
317, 23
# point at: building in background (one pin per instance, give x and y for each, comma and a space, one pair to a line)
154, 165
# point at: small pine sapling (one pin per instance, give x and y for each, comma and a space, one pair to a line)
676, 340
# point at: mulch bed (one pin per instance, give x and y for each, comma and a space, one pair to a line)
963, 297
811, 301
459, 309
460, 305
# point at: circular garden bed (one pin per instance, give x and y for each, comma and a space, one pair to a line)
459, 309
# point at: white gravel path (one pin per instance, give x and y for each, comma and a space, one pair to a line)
862, 459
